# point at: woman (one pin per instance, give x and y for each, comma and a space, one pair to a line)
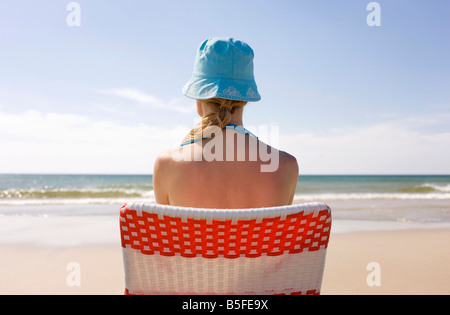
220, 164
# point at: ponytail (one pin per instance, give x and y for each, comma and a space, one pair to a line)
220, 118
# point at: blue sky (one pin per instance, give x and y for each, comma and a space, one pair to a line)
105, 97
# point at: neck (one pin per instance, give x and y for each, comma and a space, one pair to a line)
236, 118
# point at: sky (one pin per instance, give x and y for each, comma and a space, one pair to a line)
105, 97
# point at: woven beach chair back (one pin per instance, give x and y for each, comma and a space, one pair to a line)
178, 250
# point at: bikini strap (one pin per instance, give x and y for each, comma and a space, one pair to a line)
229, 126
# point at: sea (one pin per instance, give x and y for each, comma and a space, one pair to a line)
67, 210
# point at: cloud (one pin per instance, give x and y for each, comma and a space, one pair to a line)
384, 148
135, 95
64, 143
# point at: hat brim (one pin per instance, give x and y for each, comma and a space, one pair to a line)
239, 90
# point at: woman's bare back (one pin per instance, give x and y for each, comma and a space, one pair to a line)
204, 176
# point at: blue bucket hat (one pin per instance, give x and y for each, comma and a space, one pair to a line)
223, 69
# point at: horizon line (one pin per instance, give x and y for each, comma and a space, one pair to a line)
305, 174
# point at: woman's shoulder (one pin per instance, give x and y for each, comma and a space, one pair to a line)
285, 159
164, 157
174, 159
288, 161
288, 158
164, 160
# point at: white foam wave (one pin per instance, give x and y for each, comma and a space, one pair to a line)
445, 188
64, 201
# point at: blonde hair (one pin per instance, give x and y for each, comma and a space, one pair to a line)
220, 118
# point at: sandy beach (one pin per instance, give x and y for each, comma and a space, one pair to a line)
410, 261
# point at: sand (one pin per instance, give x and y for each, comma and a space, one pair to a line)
43, 270
411, 262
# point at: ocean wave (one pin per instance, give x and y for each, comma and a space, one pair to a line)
436, 187
427, 188
67, 201
71, 193
116, 194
